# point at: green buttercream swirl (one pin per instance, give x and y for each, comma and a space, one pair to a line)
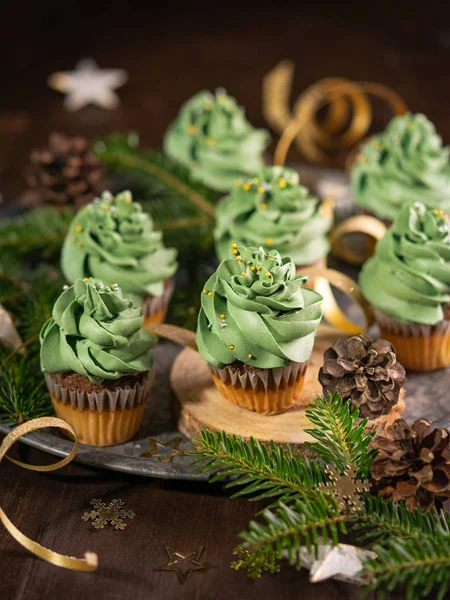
409, 275
113, 239
94, 331
254, 309
405, 164
273, 210
213, 138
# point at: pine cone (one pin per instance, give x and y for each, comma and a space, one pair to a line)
413, 464
65, 173
364, 371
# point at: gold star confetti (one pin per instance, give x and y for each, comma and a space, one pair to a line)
108, 513
345, 488
156, 445
176, 559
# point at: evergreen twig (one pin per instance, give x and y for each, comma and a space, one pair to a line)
261, 473
341, 439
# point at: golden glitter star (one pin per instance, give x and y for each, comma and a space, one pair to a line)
108, 513
155, 445
176, 559
345, 488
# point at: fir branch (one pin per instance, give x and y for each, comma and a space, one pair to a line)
382, 519
42, 229
164, 187
23, 393
260, 472
422, 567
342, 441
307, 522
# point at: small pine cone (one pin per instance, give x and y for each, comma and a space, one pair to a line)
413, 464
364, 371
65, 173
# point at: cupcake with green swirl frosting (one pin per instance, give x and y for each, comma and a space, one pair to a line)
405, 164
213, 138
97, 362
113, 239
408, 283
256, 329
274, 210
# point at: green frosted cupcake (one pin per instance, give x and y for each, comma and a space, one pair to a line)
97, 362
213, 138
256, 329
407, 281
406, 163
113, 239
274, 210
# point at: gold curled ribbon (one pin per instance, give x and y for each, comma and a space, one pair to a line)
347, 120
90, 561
322, 278
366, 224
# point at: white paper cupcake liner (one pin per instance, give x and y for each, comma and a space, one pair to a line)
104, 400
259, 379
390, 324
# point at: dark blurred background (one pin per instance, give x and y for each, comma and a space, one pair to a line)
172, 50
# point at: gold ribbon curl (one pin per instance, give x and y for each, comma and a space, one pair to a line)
90, 561
370, 226
322, 278
347, 120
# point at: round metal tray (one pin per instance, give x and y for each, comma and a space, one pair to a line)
157, 450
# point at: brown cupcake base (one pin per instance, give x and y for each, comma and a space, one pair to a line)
423, 353
101, 415
107, 428
154, 309
158, 316
265, 391
418, 347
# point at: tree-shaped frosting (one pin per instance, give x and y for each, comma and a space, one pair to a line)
94, 331
113, 239
212, 136
254, 309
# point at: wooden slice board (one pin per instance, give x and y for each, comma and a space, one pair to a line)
203, 407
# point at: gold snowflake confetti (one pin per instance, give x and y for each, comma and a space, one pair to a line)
108, 513
345, 488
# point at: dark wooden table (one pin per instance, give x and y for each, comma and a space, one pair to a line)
171, 52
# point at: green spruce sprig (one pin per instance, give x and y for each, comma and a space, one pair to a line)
34, 234
262, 473
164, 187
412, 547
23, 393
341, 440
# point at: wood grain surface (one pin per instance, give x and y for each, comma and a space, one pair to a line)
171, 51
203, 407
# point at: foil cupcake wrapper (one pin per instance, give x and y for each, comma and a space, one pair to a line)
260, 379
390, 324
99, 401
153, 304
